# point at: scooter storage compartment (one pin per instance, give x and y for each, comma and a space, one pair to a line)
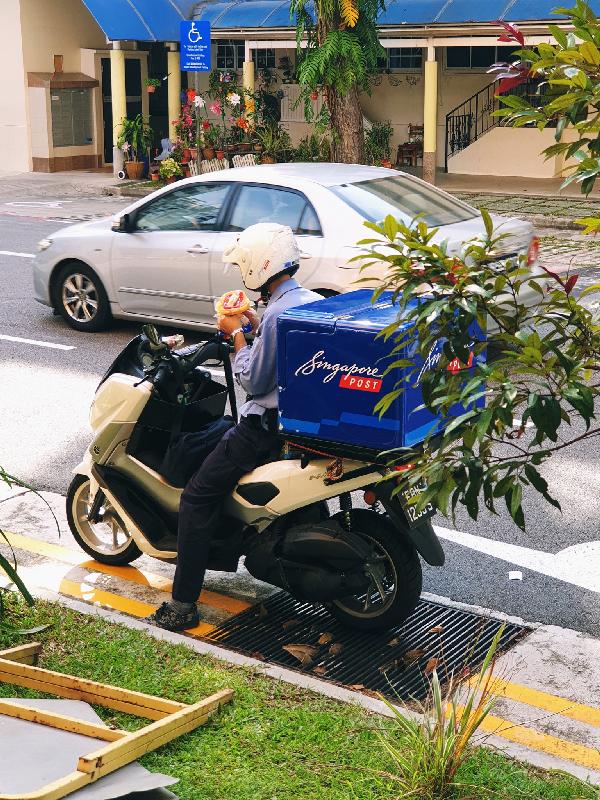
152, 433
331, 366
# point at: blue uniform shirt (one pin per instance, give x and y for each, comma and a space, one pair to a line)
255, 367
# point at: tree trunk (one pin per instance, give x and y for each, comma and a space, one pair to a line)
348, 144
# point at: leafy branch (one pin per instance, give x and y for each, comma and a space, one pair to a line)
502, 418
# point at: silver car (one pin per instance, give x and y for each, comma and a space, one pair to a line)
161, 258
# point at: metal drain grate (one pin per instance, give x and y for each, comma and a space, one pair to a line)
393, 663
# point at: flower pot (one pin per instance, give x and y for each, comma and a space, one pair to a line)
314, 96
245, 147
386, 163
151, 89
186, 172
208, 152
194, 152
258, 148
230, 148
187, 153
268, 159
134, 169
220, 154
154, 176
171, 179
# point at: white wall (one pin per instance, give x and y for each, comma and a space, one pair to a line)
14, 136
507, 151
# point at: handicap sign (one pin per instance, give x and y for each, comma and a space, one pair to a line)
195, 46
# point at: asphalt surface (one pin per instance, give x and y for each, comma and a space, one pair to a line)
45, 396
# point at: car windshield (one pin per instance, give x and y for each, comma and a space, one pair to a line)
403, 198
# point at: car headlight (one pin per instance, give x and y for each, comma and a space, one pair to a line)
44, 244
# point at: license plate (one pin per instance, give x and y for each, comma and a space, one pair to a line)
414, 515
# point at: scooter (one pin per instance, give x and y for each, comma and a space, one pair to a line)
362, 563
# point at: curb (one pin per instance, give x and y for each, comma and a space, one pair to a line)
332, 691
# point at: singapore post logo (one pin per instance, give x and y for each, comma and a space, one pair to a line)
352, 376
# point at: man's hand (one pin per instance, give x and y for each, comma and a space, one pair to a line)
252, 318
229, 324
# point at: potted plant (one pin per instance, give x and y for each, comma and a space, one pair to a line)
152, 84
135, 137
273, 140
377, 143
170, 170
211, 139
220, 153
285, 65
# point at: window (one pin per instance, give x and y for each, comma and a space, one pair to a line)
264, 59
231, 54
476, 57
71, 117
403, 198
266, 204
402, 58
193, 208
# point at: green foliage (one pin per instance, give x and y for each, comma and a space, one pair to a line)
339, 56
569, 96
135, 137
273, 139
156, 82
549, 353
169, 168
427, 753
377, 141
313, 148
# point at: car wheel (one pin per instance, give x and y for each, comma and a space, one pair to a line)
80, 298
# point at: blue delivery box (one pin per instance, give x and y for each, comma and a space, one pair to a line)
330, 375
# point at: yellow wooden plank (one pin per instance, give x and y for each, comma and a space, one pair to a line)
60, 721
25, 653
101, 691
141, 742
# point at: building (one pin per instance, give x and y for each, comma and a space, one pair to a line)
70, 70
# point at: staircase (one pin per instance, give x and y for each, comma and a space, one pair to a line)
472, 118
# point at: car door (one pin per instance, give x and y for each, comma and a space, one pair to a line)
161, 267
254, 203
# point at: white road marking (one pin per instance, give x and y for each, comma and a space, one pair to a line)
37, 343
20, 255
578, 565
38, 203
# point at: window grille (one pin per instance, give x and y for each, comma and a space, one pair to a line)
71, 117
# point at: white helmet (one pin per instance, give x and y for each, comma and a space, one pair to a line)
262, 252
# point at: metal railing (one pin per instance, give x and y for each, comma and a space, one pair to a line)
475, 116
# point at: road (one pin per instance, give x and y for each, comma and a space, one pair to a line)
46, 393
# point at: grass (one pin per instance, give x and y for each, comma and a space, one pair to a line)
275, 742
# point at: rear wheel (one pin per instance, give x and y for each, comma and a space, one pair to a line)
395, 577
80, 298
106, 540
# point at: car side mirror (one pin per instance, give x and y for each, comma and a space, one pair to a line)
124, 224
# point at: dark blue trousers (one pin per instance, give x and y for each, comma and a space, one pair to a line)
242, 449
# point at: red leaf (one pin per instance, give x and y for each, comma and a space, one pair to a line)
506, 84
570, 284
554, 275
513, 34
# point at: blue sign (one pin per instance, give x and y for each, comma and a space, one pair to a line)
195, 46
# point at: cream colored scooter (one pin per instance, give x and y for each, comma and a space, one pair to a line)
362, 563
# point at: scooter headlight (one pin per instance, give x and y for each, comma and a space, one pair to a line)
43, 244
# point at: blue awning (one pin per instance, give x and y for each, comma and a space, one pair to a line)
141, 20
158, 20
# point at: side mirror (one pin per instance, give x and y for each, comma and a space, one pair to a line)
124, 224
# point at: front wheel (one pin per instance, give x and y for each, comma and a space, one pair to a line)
395, 578
107, 540
80, 298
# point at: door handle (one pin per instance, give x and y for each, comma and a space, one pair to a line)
305, 255
197, 249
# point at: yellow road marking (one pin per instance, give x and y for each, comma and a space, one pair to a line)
131, 574
543, 742
549, 702
50, 577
